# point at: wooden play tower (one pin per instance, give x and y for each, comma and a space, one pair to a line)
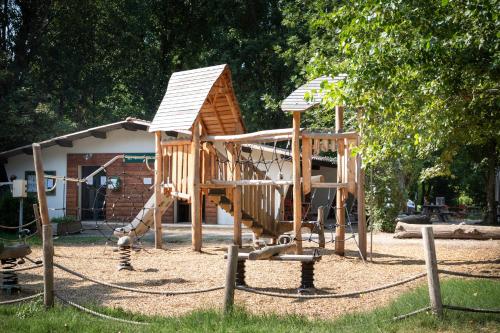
202, 151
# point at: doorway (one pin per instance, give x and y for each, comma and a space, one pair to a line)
93, 194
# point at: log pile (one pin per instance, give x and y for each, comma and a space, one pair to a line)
452, 231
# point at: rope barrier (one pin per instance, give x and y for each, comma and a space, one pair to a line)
153, 292
20, 269
477, 276
428, 308
19, 226
465, 309
97, 314
18, 300
350, 294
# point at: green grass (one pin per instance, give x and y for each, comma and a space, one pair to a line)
31, 317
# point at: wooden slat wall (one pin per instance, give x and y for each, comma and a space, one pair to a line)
177, 168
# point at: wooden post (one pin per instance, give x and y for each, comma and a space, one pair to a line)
38, 219
48, 266
158, 191
432, 271
237, 234
340, 199
195, 189
232, 263
48, 249
306, 164
361, 205
297, 193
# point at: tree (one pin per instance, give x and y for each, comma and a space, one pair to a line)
425, 75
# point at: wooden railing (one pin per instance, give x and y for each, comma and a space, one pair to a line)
177, 169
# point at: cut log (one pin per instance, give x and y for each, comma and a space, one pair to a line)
269, 251
414, 219
453, 231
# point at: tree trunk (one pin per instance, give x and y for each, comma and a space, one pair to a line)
491, 214
443, 231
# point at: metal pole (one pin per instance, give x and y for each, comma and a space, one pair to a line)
21, 214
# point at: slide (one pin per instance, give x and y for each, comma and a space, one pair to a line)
144, 219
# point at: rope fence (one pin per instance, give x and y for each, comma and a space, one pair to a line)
20, 269
475, 276
97, 314
23, 299
349, 294
143, 291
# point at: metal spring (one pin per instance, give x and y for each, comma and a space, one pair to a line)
307, 276
9, 279
240, 273
124, 258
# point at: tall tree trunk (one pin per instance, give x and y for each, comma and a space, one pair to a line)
491, 214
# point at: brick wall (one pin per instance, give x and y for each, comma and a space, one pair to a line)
124, 204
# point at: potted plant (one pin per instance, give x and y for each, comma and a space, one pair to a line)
66, 225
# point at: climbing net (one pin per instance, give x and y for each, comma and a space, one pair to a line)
260, 158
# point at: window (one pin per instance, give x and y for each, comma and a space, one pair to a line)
30, 177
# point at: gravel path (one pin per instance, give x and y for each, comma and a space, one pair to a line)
179, 268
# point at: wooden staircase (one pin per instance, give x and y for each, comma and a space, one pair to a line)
223, 200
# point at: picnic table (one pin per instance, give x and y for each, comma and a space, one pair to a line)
441, 211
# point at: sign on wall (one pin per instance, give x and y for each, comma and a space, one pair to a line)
139, 157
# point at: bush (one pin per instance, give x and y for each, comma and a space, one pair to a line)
9, 210
63, 219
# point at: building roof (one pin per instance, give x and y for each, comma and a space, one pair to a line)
131, 124
203, 93
296, 100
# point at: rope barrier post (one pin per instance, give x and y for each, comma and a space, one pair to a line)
48, 248
48, 266
432, 271
232, 263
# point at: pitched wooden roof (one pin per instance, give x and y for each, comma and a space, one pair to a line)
204, 93
296, 100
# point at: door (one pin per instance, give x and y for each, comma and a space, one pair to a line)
93, 194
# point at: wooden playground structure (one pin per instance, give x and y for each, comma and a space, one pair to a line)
203, 152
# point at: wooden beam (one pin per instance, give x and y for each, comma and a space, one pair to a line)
177, 142
98, 134
269, 251
195, 192
297, 188
158, 190
329, 136
306, 164
64, 143
232, 155
340, 198
250, 137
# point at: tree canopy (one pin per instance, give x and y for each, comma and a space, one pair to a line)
424, 76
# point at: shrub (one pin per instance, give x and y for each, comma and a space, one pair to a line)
63, 219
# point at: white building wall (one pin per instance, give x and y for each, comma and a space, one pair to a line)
55, 157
